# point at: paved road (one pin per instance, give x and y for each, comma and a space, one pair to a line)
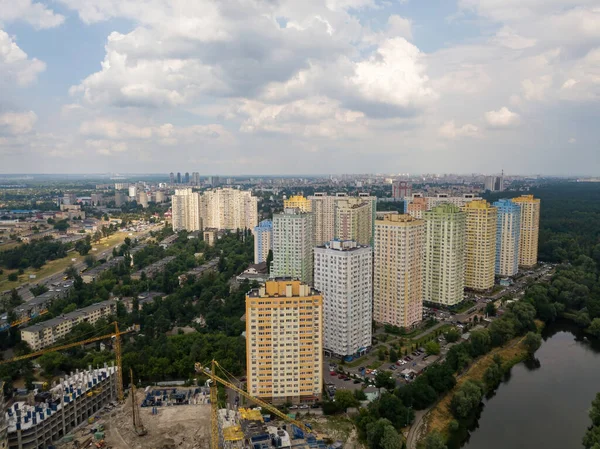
27, 296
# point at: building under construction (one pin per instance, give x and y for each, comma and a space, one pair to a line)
53, 414
248, 428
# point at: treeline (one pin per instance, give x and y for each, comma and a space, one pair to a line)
34, 254
591, 440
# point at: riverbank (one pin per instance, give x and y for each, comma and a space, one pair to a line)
440, 416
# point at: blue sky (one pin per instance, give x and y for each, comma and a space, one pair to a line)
283, 87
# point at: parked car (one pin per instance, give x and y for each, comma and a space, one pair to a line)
346, 379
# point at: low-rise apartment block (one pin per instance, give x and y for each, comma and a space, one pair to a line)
49, 332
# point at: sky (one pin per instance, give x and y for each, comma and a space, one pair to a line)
300, 86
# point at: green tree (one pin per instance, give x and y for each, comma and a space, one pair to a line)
393, 356
391, 439
345, 399
384, 379
432, 347
532, 342
52, 362
452, 335
467, 399
435, 440
490, 309
89, 260
13, 277
594, 328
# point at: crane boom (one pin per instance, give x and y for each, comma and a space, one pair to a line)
201, 369
60, 348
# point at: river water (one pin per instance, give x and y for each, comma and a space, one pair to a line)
542, 404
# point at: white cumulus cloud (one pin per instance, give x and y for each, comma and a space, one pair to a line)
451, 131
17, 122
36, 14
15, 66
502, 118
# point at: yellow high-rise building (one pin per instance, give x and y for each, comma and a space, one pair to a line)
354, 220
298, 202
284, 342
530, 229
480, 243
398, 270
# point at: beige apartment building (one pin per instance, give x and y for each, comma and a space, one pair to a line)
530, 229
298, 202
293, 245
49, 332
445, 255
185, 209
398, 270
481, 227
229, 208
284, 342
333, 215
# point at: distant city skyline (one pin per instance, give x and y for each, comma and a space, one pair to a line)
293, 86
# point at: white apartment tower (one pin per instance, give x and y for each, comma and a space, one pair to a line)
293, 245
185, 209
343, 275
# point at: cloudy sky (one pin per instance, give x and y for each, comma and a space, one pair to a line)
300, 86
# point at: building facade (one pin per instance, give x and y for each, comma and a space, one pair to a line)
508, 233
293, 245
325, 209
185, 207
401, 189
229, 208
298, 202
354, 220
445, 255
263, 241
284, 346
343, 275
398, 270
530, 229
481, 226
46, 333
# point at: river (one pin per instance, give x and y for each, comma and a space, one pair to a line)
543, 404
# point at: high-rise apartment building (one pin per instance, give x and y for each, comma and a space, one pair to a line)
401, 190
416, 207
143, 199
229, 209
494, 183
530, 229
186, 178
293, 245
263, 240
324, 207
354, 220
418, 204
508, 234
343, 275
398, 270
284, 328
297, 202
196, 178
185, 209
481, 226
172, 178
444, 266
178, 178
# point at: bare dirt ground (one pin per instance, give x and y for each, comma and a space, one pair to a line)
174, 427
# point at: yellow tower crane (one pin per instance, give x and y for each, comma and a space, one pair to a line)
210, 372
116, 336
